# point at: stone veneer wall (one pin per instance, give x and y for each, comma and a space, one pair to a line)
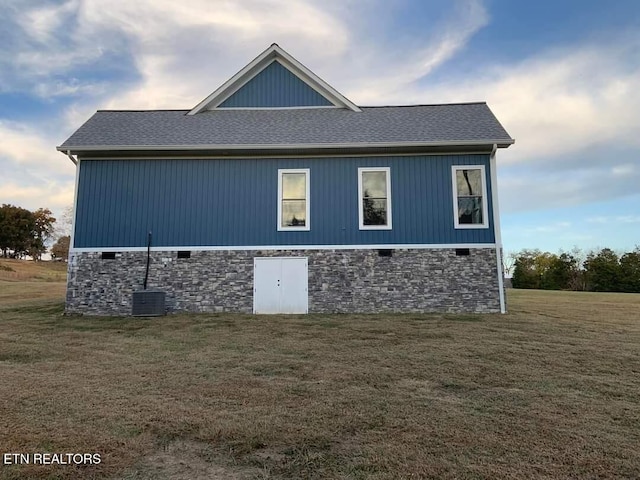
340, 281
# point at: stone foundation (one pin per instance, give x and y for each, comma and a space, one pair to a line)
340, 281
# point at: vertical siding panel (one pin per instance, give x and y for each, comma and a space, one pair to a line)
197, 204
119, 204
102, 206
176, 232
275, 86
85, 229
217, 235
96, 211
133, 170
86, 183
422, 186
184, 193
224, 202
435, 198
234, 202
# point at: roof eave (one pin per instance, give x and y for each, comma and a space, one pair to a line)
316, 147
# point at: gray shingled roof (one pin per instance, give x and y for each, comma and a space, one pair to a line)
452, 124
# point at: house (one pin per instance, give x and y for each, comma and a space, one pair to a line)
278, 194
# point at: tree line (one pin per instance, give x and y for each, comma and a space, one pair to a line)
597, 271
26, 233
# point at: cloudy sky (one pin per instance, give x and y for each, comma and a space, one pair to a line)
563, 77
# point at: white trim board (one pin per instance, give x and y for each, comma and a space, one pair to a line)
394, 246
496, 228
280, 146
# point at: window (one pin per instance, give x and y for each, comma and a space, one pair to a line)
374, 198
469, 197
293, 199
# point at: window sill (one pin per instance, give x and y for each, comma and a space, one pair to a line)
375, 228
470, 226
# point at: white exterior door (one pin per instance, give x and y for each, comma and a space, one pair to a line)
280, 285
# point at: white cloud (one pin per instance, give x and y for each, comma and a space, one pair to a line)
614, 219
34, 174
41, 23
25, 146
561, 102
183, 51
564, 106
371, 85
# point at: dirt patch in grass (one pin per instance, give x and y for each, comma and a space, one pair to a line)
548, 391
188, 460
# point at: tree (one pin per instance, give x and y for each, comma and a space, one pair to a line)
23, 232
17, 226
630, 271
536, 269
562, 269
60, 250
524, 270
42, 232
508, 262
64, 224
602, 271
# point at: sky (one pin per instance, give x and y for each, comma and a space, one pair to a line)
562, 76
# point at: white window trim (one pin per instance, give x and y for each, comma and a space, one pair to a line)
307, 222
362, 226
485, 200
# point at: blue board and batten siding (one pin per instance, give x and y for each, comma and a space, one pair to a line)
233, 202
275, 86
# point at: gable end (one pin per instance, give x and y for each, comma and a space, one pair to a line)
275, 87
274, 79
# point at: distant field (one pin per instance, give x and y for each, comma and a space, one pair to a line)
25, 281
550, 390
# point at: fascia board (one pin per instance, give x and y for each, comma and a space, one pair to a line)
284, 146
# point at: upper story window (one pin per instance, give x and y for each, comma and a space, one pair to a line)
469, 196
293, 199
374, 198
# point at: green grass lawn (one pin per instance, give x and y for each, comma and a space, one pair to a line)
550, 390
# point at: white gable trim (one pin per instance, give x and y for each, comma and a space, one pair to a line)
262, 61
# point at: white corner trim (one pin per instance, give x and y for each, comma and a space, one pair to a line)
225, 248
74, 213
271, 54
485, 216
361, 224
496, 228
307, 225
